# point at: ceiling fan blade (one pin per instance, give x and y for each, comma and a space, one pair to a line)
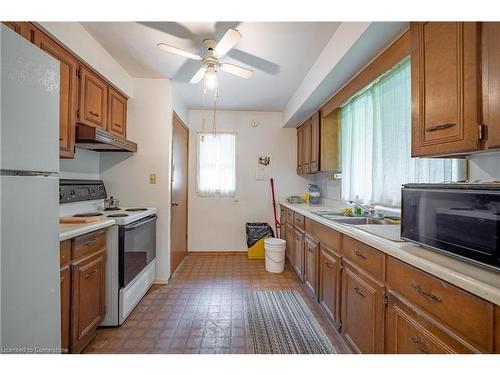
237, 70
198, 75
178, 51
228, 41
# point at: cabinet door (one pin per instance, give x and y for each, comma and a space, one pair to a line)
22, 28
65, 307
445, 81
491, 82
329, 282
88, 309
307, 147
282, 222
290, 243
362, 310
315, 142
68, 94
497, 329
117, 117
298, 263
300, 149
93, 100
411, 331
311, 264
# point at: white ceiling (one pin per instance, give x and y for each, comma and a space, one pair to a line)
281, 53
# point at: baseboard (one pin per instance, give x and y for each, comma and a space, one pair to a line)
222, 252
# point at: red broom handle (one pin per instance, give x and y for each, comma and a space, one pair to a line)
277, 225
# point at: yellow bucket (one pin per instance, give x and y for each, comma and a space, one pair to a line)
257, 250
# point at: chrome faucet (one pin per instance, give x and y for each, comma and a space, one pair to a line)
369, 210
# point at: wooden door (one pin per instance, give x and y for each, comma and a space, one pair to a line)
65, 287
300, 149
362, 310
307, 146
412, 331
22, 28
68, 94
290, 243
298, 263
179, 184
490, 32
444, 83
93, 100
315, 143
329, 282
117, 113
88, 299
311, 264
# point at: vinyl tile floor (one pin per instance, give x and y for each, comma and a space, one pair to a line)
202, 309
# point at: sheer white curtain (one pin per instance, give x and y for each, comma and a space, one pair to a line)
376, 144
216, 169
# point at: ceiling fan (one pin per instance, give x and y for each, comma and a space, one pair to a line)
210, 63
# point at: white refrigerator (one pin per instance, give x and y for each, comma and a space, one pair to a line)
29, 163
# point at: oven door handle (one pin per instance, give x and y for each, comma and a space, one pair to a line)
139, 223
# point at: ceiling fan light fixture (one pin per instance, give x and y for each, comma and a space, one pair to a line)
211, 78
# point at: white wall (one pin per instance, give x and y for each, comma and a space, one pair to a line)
77, 39
218, 224
85, 165
485, 166
126, 176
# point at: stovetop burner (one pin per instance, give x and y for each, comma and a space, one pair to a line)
112, 209
88, 214
136, 209
117, 215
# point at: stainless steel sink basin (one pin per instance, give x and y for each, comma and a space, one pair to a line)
360, 221
330, 215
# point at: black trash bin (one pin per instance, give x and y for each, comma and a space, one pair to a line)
256, 234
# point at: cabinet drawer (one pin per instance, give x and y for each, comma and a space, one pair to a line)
65, 252
368, 258
468, 315
89, 243
299, 221
324, 234
290, 216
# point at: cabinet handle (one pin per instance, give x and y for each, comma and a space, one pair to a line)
418, 289
329, 265
94, 114
439, 127
90, 274
61, 279
420, 344
117, 125
359, 255
358, 292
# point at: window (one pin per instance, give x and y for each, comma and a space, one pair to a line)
376, 144
216, 170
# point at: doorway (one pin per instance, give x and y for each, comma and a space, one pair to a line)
179, 195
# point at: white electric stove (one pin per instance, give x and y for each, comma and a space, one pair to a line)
131, 244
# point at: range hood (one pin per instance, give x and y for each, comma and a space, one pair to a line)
96, 139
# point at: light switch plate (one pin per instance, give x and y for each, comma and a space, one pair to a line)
152, 178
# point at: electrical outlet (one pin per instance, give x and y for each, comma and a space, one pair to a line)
152, 178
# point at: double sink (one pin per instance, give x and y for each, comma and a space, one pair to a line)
351, 220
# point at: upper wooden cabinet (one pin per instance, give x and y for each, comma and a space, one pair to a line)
117, 117
68, 93
445, 87
22, 28
93, 100
490, 32
318, 144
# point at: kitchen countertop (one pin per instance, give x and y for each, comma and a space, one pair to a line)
474, 279
67, 231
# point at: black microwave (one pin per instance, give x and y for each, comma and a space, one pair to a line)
462, 220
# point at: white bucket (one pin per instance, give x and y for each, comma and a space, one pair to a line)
275, 254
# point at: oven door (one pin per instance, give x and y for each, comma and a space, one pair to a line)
465, 223
137, 248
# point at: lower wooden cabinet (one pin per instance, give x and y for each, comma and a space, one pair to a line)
410, 330
311, 255
497, 329
298, 262
329, 282
87, 302
362, 310
290, 242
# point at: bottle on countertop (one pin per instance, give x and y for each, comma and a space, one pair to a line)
314, 194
